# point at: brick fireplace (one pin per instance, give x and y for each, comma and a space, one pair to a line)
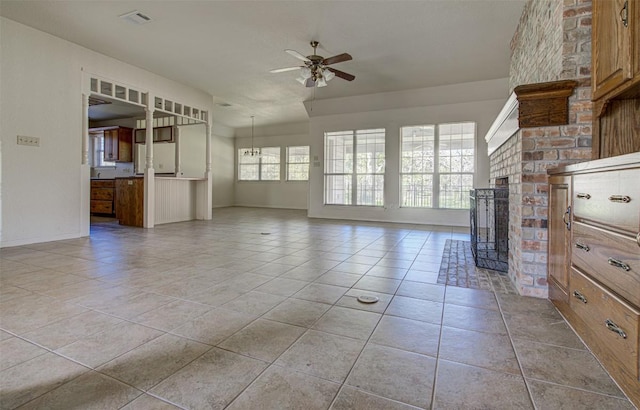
552, 43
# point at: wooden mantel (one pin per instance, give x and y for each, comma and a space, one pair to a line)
531, 105
544, 104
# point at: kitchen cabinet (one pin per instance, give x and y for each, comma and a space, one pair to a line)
615, 34
559, 226
615, 70
130, 201
118, 143
160, 134
102, 196
594, 268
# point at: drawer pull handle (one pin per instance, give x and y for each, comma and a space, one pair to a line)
582, 246
619, 264
620, 198
580, 195
567, 222
615, 328
638, 238
579, 296
624, 14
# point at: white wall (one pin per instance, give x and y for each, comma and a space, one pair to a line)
479, 102
41, 76
273, 194
222, 158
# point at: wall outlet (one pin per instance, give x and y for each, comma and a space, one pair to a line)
29, 141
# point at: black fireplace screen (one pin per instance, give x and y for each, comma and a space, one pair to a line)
490, 228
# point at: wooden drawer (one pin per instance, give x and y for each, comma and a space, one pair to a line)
599, 252
103, 183
611, 325
611, 198
104, 194
102, 207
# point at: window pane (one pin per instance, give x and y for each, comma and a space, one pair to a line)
298, 163
338, 152
456, 147
454, 190
298, 172
297, 154
270, 172
337, 189
248, 172
418, 149
370, 190
270, 155
370, 149
417, 190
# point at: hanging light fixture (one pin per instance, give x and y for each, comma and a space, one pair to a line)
253, 152
305, 74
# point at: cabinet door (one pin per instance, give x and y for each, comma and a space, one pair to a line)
111, 145
612, 24
559, 258
125, 150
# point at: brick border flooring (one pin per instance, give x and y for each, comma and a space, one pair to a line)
458, 269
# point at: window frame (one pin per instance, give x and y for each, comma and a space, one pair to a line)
354, 188
436, 174
260, 164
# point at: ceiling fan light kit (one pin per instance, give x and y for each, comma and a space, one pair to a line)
315, 71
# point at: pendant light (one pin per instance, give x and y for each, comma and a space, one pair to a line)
253, 152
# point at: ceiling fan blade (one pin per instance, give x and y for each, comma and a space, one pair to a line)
282, 70
337, 59
297, 55
342, 74
310, 82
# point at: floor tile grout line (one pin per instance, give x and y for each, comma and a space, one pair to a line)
435, 374
516, 354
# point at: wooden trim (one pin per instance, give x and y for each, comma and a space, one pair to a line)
544, 104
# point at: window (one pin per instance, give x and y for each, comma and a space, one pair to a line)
437, 165
263, 167
298, 163
97, 140
354, 167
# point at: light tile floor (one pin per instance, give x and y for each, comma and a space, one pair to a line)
257, 309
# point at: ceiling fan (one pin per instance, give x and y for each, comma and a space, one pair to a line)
315, 71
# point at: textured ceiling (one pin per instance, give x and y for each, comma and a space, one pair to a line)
227, 48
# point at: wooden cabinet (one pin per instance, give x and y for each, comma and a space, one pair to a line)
130, 201
560, 238
598, 287
160, 134
615, 71
118, 143
102, 196
613, 29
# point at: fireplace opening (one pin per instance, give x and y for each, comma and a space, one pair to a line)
490, 226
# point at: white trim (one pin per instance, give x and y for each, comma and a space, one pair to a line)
504, 126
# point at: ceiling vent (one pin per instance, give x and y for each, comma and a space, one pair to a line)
136, 17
